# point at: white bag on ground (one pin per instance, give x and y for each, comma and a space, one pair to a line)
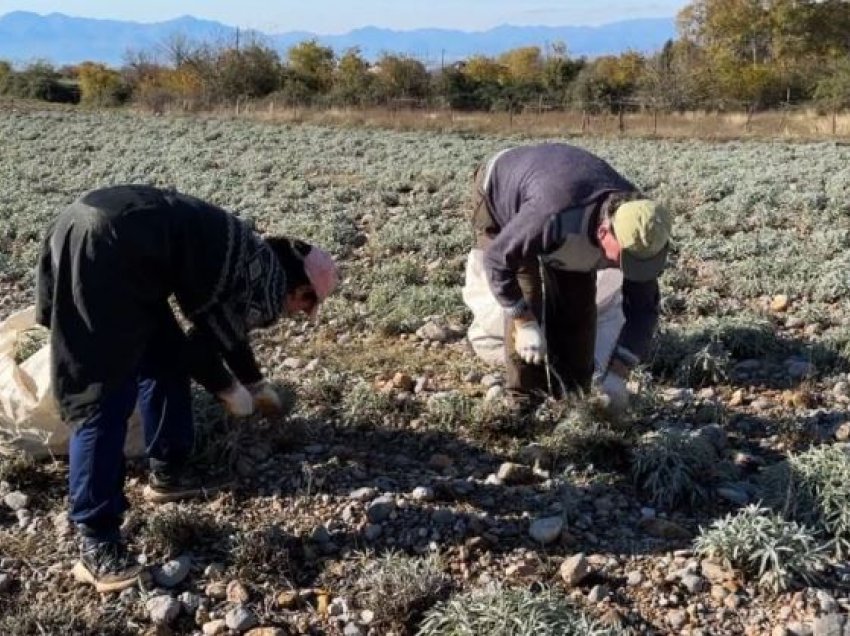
29, 417
486, 334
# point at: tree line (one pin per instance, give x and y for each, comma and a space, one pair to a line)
729, 55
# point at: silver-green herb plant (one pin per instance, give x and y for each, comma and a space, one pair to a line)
813, 487
398, 588
502, 611
771, 551
672, 467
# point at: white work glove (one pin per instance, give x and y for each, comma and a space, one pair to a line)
237, 400
529, 342
614, 389
266, 398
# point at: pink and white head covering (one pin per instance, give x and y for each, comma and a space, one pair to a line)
323, 274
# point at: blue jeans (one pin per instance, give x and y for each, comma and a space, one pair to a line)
96, 475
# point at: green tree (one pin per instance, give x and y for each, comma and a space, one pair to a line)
313, 64
100, 85
399, 77
833, 91
352, 81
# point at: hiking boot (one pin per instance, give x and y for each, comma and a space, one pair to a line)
164, 487
107, 565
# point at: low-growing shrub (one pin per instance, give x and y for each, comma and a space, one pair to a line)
498, 611
172, 530
263, 552
398, 588
672, 467
362, 404
813, 487
773, 552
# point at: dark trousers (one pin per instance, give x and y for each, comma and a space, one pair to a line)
96, 476
563, 302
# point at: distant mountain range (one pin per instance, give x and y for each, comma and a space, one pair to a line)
62, 39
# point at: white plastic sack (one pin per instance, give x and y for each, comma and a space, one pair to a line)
29, 417
487, 332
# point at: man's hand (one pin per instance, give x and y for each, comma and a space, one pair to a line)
266, 398
529, 342
237, 400
614, 389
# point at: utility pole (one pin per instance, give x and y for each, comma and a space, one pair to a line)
237, 39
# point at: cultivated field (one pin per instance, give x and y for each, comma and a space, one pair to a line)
395, 498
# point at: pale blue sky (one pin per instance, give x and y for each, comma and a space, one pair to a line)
338, 16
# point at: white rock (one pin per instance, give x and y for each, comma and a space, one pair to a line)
634, 578
363, 494
16, 500
240, 619
546, 530
574, 569
495, 392
293, 363
214, 628
162, 609
422, 493
172, 572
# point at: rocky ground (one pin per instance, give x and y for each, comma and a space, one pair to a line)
398, 480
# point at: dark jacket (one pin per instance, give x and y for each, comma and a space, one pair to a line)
543, 197
108, 266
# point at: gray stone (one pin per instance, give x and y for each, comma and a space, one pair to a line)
443, 516
597, 594
799, 629
495, 392
733, 495
798, 369
128, 596
5, 582
240, 619
214, 628
293, 363
433, 332
827, 602
16, 500
320, 535
694, 583
634, 578
574, 569
372, 532
829, 625
715, 435
363, 494
190, 602
490, 380
380, 509
511, 473
677, 619
546, 530
162, 609
422, 493
351, 629
172, 572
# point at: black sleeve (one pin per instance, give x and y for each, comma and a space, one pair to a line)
205, 363
221, 337
44, 281
640, 307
